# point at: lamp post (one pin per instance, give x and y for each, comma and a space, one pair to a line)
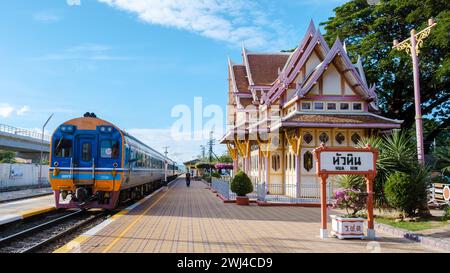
42, 149
412, 46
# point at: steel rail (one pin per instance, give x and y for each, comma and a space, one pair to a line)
23, 233
48, 241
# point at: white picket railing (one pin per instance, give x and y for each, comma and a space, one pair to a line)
277, 193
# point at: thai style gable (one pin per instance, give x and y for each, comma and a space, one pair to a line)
339, 76
308, 55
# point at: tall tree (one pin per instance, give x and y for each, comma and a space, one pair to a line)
369, 30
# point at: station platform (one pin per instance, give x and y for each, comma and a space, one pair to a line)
18, 210
10, 196
194, 220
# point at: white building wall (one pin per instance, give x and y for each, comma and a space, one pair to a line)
21, 175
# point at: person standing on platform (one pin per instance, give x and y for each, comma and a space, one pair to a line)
188, 179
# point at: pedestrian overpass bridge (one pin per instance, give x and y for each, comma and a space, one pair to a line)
26, 143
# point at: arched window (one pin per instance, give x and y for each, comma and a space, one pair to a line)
290, 162
308, 161
276, 162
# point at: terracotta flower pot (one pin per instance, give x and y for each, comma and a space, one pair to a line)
242, 200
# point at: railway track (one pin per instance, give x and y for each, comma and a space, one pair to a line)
34, 238
44, 232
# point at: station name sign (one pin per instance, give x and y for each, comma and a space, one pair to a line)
346, 161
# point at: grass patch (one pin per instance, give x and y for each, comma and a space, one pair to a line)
423, 224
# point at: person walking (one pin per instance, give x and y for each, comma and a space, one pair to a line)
188, 179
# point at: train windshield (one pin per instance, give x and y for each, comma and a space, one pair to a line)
109, 149
63, 148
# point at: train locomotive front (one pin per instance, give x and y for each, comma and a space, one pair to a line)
94, 164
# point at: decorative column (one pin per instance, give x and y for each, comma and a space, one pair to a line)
293, 138
323, 206
235, 156
297, 174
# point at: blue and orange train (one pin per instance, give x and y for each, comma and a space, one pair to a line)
94, 164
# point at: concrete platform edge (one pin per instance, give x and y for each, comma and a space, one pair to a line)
7, 219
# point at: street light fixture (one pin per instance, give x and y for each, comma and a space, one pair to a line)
42, 150
412, 46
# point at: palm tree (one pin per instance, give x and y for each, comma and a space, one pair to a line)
443, 159
397, 153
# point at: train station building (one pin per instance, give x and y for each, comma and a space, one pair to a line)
283, 105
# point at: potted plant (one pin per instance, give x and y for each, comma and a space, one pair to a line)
241, 185
349, 225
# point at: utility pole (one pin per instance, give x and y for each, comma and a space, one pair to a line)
412, 46
210, 146
42, 150
165, 164
203, 151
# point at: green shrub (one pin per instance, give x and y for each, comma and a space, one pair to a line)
405, 192
446, 215
241, 184
7, 157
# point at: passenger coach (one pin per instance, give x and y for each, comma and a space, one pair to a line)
94, 164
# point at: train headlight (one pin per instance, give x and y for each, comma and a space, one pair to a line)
67, 128
105, 129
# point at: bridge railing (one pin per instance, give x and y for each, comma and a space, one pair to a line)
22, 132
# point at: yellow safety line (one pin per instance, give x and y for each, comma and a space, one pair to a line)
74, 244
122, 234
33, 212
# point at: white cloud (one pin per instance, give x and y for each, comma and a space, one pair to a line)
73, 2
22, 111
84, 52
232, 21
179, 150
47, 16
6, 110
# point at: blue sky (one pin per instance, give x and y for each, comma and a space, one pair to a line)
132, 61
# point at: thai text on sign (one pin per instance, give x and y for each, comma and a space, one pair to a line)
346, 161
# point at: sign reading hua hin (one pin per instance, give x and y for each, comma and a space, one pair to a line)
344, 161
331, 161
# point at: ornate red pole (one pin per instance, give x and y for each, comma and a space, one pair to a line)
417, 101
370, 221
412, 46
323, 206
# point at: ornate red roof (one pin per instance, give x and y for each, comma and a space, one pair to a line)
264, 67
